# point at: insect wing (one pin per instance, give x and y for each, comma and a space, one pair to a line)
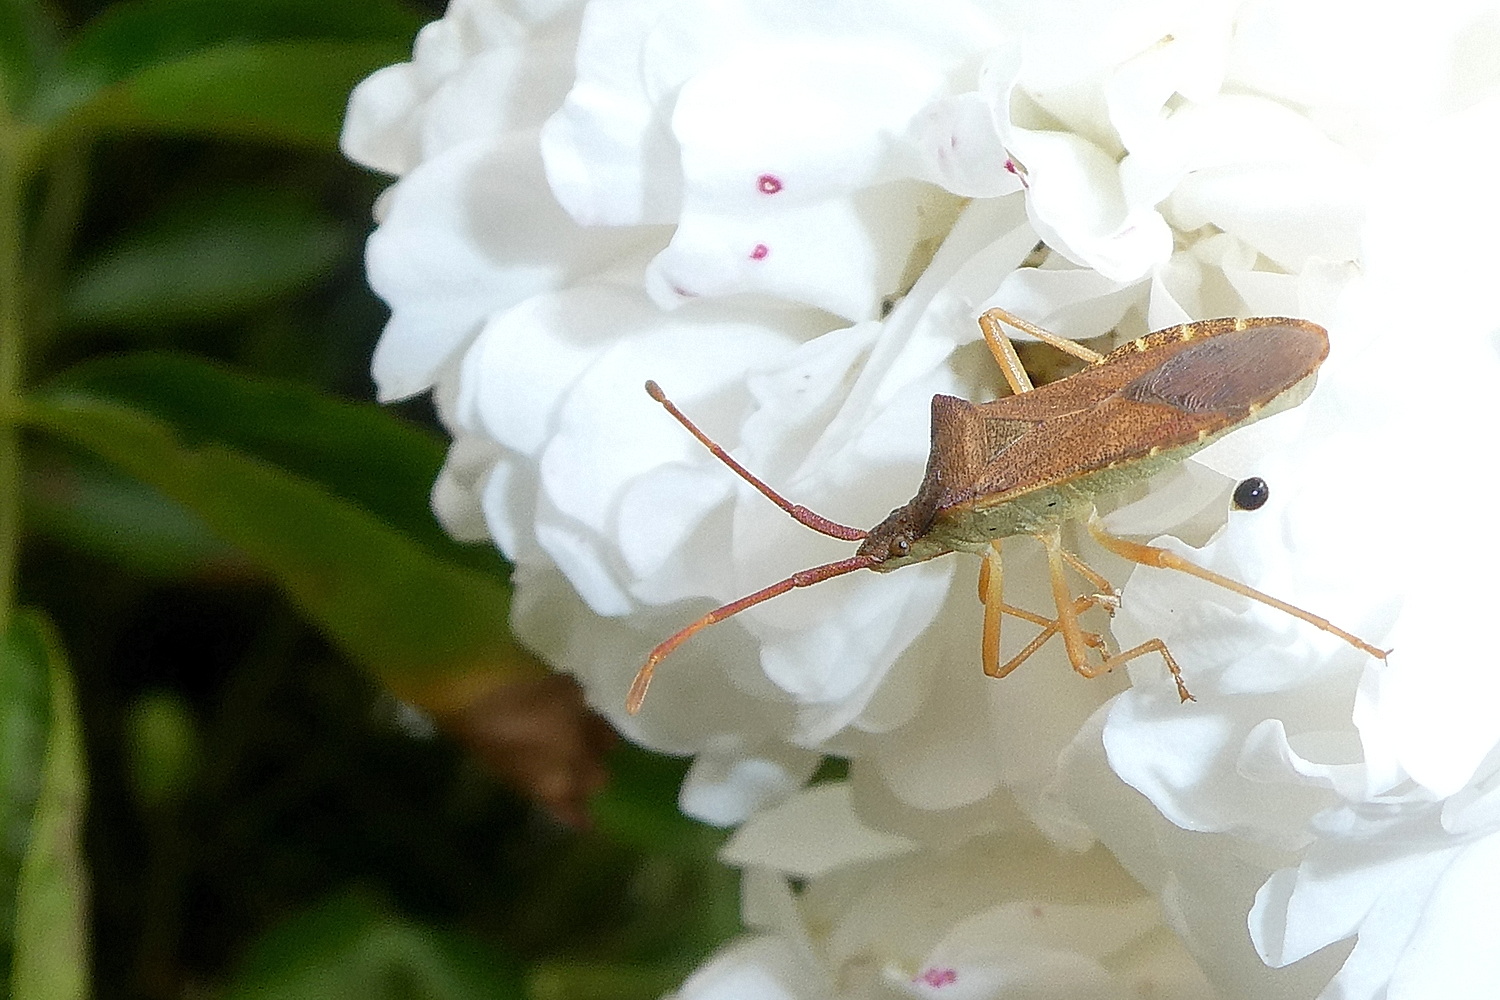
1170, 390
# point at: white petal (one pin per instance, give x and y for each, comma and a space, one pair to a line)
763, 968
837, 254
587, 568
958, 148
1078, 206
609, 431
648, 541
465, 237
811, 834
1451, 954
1074, 302
817, 119
478, 73
608, 138
376, 131
456, 493
730, 781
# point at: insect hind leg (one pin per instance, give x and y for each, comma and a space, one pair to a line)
1152, 555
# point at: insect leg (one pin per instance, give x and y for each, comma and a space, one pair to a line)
1067, 616
990, 592
995, 609
1149, 646
996, 316
1083, 569
1005, 353
1049, 628
1151, 555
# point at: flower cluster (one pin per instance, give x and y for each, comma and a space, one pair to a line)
789, 216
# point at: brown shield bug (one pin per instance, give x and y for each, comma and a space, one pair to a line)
1028, 463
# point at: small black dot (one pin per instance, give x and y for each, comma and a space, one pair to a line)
1252, 494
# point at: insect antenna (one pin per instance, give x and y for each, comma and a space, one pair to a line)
805, 578
816, 522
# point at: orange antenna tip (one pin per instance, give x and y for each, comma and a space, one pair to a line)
637, 694
654, 391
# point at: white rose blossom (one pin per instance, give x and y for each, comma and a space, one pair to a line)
1006, 916
789, 216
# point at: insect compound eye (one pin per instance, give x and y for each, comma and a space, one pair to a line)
1251, 494
900, 545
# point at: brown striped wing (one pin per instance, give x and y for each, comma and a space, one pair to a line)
1164, 391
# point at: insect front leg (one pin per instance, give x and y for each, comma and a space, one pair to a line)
995, 608
993, 322
1105, 593
991, 576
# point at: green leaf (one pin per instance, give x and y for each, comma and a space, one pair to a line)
24, 38
128, 38
24, 711
51, 920
288, 92
359, 452
91, 506
350, 949
391, 605
573, 980
207, 260
163, 748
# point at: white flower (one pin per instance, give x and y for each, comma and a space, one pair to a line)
772, 134
789, 215
463, 234
1005, 917
1361, 791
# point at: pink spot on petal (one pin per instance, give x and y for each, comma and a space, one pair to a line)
768, 183
683, 292
937, 978
760, 251
1011, 166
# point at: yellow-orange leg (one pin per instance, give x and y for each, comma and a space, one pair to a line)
1106, 590
1073, 635
1050, 627
991, 594
991, 579
990, 322
1151, 555
1004, 352
1067, 617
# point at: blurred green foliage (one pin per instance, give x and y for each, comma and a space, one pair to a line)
218, 569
